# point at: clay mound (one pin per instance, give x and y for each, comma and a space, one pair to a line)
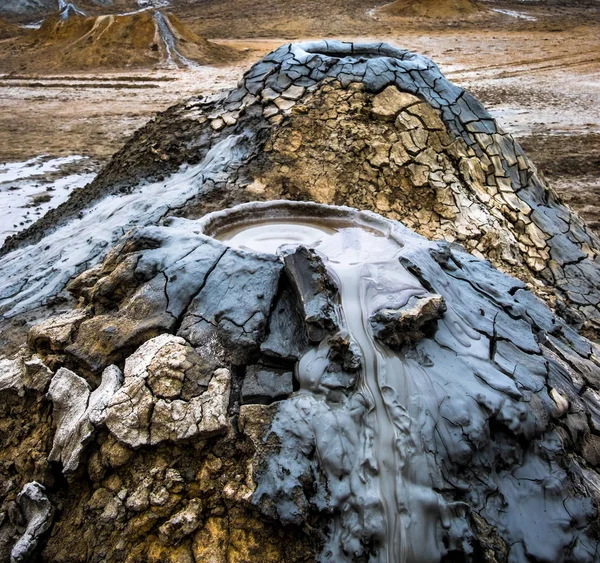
195, 47
210, 403
146, 39
441, 9
189, 45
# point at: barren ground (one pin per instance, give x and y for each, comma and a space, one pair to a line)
543, 85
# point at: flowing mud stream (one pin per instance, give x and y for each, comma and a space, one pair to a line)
365, 265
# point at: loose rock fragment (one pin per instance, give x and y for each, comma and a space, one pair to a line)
286, 338
37, 375
169, 393
398, 327
77, 411
265, 385
11, 376
315, 289
53, 335
38, 513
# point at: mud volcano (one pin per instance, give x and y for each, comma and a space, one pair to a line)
70, 40
208, 377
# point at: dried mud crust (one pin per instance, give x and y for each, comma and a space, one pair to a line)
165, 504
378, 128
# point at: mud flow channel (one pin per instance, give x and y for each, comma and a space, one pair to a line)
383, 447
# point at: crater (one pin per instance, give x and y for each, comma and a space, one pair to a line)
340, 50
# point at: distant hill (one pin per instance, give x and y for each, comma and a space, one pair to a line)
442, 9
69, 41
24, 10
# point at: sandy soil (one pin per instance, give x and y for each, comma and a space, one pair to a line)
92, 115
542, 86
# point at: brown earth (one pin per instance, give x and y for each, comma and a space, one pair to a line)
357, 18
8, 29
106, 42
572, 165
446, 9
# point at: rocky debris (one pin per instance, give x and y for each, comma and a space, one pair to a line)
333, 367
287, 339
11, 376
51, 337
344, 352
398, 327
36, 375
77, 411
141, 290
265, 385
315, 290
38, 513
168, 395
19, 374
182, 524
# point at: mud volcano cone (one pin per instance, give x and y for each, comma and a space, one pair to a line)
71, 40
333, 314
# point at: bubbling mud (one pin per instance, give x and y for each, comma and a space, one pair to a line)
363, 261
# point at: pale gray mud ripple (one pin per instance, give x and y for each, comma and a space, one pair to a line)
454, 426
30, 275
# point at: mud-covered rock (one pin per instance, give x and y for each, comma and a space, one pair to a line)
286, 336
168, 394
217, 311
397, 327
315, 290
265, 385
